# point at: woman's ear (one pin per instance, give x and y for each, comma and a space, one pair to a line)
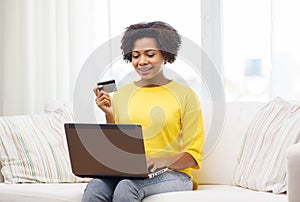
166, 60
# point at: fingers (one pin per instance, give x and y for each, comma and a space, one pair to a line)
100, 93
97, 90
151, 165
155, 163
102, 97
103, 101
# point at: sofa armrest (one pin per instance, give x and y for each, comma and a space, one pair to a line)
293, 170
1, 176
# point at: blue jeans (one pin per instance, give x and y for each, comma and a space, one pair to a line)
125, 190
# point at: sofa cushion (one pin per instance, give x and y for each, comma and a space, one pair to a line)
293, 156
33, 148
66, 192
218, 193
37, 192
262, 163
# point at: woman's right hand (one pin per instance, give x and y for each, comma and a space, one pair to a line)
103, 100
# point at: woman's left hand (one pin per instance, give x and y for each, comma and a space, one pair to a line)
155, 163
179, 162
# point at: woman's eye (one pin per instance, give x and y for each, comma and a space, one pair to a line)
135, 56
150, 55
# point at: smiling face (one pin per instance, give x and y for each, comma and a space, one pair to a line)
148, 60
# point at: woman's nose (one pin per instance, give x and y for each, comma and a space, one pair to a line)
143, 60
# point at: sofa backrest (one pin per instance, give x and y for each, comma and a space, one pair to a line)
219, 164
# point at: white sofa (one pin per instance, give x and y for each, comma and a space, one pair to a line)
215, 176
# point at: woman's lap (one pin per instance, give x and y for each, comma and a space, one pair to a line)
136, 189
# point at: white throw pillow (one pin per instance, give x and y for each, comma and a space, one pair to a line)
262, 162
33, 148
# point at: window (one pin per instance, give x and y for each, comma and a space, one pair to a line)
247, 49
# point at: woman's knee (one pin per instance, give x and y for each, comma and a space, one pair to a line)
126, 190
94, 185
97, 190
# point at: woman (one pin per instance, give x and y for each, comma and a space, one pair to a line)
168, 111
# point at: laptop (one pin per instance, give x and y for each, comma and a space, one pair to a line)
108, 150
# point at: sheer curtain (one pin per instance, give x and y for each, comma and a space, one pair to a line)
285, 80
261, 49
43, 46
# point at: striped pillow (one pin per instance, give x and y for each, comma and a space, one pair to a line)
33, 148
262, 162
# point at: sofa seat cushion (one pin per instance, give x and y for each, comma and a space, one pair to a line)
218, 193
72, 192
36, 192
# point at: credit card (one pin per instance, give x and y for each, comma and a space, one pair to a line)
108, 86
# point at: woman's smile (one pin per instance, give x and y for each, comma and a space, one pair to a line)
145, 71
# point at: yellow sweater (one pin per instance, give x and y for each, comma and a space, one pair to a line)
170, 116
